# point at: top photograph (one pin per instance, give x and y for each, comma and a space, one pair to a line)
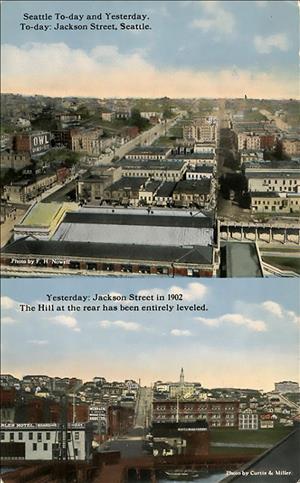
150, 138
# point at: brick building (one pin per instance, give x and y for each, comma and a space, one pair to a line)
217, 413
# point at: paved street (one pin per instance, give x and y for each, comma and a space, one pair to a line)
144, 408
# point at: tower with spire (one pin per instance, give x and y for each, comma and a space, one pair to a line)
181, 380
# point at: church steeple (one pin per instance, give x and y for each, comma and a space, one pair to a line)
181, 377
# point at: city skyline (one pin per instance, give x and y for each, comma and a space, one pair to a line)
256, 321
194, 49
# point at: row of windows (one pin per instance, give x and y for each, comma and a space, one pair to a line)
21, 436
264, 202
291, 181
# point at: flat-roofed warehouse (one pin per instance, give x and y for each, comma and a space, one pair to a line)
170, 242
139, 227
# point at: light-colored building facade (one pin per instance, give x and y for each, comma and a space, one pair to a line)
291, 147
272, 202
87, 141
248, 420
200, 130
26, 190
31, 441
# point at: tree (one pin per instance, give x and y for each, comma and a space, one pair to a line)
137, 120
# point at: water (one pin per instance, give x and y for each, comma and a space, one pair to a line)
206, 478
214, 478
4, 469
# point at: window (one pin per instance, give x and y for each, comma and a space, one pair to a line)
39, 437
76, 435
20, 436
2, 436
34, 446
45, 446
11, 436
48, 436
30, 436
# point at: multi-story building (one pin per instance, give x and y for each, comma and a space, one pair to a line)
150, 153
273, 180
28, 189
158, 170
201, 130
108, 116
217, 413
274, 202
249, 141
193, 193
248, 155
248, 419
118, 240
148, 191
291, 147
125, 191
16, 161
199, 172
32, 441
164, 194
35, 142
91, 185
87, 141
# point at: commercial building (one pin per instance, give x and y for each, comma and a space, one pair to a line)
41, 220
139, 241
16, 161
197, 193
193, 159
281, 178
164, 194
35, 142
274, 202
150, 153
87, 141
31, 441
125, 191
201, 130
91, 185
168, 170
199, 172
218, 413
28, 189
183, 438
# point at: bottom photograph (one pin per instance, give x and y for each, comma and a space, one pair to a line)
111, 380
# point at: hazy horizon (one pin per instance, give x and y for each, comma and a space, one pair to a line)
246, 335
223, 48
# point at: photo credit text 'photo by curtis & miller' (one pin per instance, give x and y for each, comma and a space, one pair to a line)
150, 241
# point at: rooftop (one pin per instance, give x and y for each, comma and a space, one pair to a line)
166, 189
110, 251
201, 186
127, 182
149, 150
173, 164
193, 156
242, 259
137, 227
41, 214
201, 169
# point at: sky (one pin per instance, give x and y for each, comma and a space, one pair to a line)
191, 49
245, 335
